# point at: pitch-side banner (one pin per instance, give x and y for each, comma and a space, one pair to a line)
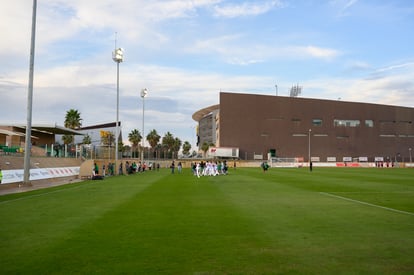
10, 176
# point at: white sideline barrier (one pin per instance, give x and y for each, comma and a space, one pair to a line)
11, 176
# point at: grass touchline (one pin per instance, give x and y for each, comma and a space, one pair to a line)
367, 203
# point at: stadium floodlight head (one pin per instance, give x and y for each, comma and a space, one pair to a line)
118, 55
144, 92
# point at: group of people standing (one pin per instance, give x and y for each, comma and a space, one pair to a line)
134, 167
179, 167
106, 171
209, 168
130, 168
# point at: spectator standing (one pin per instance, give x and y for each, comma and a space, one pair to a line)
120, 169
265, 166
96, 168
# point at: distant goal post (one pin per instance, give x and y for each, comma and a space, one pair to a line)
286, 162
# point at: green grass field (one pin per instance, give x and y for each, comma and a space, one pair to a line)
285, 221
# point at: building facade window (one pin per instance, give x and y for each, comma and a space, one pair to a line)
369, 123
346, 122
387, 122
317, 122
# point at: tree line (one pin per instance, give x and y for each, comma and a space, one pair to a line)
168, 144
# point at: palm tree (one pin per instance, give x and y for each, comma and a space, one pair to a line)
168, 141
205, 147
87, 139
73, 120
67, 139
159, 148
153, 138
177, 145
135, 138
186, 147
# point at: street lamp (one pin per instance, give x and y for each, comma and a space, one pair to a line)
118, 57
276, 89
144, 93
309, 149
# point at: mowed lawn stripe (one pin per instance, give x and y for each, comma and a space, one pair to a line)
179, 224
31, 223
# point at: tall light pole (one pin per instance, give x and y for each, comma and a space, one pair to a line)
144, 93
276, 89
118, 57
409, 150
309, 149
28, 138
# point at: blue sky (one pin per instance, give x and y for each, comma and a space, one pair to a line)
186, 52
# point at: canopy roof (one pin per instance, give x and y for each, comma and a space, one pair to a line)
42, 128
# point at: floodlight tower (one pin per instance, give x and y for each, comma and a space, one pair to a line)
118, 57
144, 93
295, 91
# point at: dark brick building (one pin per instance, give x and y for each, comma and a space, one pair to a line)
290, 126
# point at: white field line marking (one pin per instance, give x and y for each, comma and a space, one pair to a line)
375, 192
42, 194
367, 203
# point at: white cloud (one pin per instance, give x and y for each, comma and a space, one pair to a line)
357, 65
319, 52
237, 49
344, 6
15, 27
396, 67
388, 89
245, 8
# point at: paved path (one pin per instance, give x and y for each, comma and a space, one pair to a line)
39, 184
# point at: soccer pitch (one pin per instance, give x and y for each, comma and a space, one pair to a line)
284, 221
